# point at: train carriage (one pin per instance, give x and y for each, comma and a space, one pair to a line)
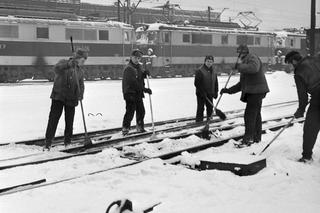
29, 47
181, 49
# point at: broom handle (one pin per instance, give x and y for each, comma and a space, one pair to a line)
150, 105
210, 102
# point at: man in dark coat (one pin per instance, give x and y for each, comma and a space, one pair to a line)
253, 85
206, 83
133, 88
307, 79
65, 95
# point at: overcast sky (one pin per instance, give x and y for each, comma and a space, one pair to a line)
275, 14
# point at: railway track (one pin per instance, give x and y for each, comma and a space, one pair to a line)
163, 156
186, 130
106, 141
101, 135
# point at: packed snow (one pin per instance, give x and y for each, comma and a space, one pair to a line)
285, 185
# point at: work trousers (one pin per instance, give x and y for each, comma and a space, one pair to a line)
54, 116
201, 102
134, 105
311, 126
252, 117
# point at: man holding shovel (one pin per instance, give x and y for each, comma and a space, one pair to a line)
206, 83
66, 95
253, 86
307, 79
133, 88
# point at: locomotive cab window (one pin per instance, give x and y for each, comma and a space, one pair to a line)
126, 36
166, 37
104, 35
186, 38
9, 31
291, 42
43, 32
224, 39
257, 41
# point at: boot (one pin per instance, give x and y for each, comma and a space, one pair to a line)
67, 144
243, 143
47, 146
305, 160
140, 129
125, 131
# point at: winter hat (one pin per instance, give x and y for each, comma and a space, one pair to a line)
137, 53
242, 48
292, 55
81, 53
209, 57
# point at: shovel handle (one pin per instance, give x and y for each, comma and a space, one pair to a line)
277, 135
230, 74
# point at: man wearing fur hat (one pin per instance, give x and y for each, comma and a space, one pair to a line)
65, 95
307, 79
253, 86
206, 83
133, 88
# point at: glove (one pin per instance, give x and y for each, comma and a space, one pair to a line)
215, 96
147, 90
146, 73
298, 114
224, 90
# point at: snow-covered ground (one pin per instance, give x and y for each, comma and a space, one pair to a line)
283, 186
24, 108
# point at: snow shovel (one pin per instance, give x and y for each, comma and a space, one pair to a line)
153, 136
276, 136
219, 113
205, 133
87, 141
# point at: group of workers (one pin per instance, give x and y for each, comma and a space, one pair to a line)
68, 89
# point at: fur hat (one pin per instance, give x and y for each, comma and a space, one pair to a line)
242, 48
81, 53
209, 57
137, 53
292, 55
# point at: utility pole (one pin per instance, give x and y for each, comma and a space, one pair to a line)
209, 13
119, 18
124, 12
312, 27
129, 12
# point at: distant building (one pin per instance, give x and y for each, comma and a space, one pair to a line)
40, 8
145, 15
70, 9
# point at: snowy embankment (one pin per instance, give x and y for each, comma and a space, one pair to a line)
283, 186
